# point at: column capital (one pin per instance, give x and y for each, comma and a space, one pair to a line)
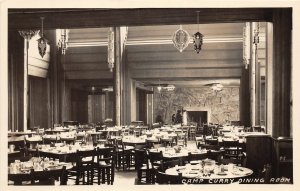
28, 34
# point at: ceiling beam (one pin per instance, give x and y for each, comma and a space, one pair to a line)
85, 66
86, 57
185, 55
233, 63
89, 18
186, 73
89, 75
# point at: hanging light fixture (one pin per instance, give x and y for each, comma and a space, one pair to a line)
181, 39
42, 42
111, 49
198, 37
63, 36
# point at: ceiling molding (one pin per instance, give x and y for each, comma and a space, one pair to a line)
169, 41
132, 42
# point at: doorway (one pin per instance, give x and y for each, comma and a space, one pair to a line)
141, 105
79, 106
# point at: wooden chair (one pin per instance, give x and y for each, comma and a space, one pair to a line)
136, 132
192, 156
105, 165
192, 132
155, 159
181, 139
150, 143
163, 178
214, 155
68, 140
145, 172
226, 161
208, 147
80, 137
103, 137
211, 141
170, 163
50, 140
232, 149
123, 155
168, 141
84, 167
125, 131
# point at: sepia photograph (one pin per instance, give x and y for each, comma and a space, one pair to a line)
123, 95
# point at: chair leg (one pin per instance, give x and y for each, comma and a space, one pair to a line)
108, 176
112, 175
99, 175
103, 175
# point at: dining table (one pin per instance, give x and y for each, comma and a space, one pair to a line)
21, 171
56, 131
170, 153
64, 152
112, 131
208, 172
17, 133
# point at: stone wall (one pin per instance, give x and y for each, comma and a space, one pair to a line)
224, 105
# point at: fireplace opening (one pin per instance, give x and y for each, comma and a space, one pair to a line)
199, 117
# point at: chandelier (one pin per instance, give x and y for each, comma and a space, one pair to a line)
181, 39
111, 49
42, 42
63, 37
198, 37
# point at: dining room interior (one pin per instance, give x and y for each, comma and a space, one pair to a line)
150, 96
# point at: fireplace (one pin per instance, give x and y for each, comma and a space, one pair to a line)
198, 115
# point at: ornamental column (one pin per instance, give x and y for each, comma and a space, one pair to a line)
27, 35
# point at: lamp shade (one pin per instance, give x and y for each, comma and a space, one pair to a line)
42, 46
181, 39
198, 41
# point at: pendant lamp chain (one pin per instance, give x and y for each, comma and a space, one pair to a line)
198, 19
42, 18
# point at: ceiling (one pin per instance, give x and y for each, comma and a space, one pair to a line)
150, 54
99, 18
152, 58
